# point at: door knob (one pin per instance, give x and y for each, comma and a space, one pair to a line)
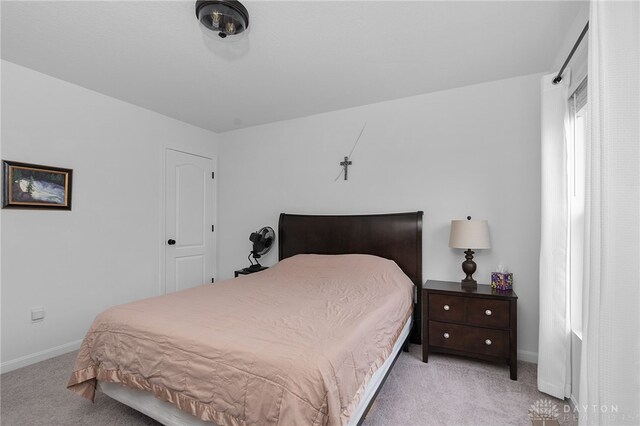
171, 242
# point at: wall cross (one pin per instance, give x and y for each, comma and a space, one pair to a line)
345, 164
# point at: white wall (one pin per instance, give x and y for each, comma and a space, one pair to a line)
106, 250
472, 150
468, 151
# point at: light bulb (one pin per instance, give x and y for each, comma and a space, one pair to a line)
215, 18
231, 28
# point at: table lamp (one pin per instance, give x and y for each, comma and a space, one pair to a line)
470, 235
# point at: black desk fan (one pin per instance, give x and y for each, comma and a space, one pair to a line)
262, 242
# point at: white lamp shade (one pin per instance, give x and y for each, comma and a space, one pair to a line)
469, 234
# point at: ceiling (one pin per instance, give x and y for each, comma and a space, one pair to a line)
298, 57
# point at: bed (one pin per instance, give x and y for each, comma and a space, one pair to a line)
308, 341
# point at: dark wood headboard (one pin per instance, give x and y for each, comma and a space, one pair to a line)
395, 236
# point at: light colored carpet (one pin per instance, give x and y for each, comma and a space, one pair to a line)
446, 391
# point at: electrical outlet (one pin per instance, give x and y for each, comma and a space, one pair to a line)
37, 314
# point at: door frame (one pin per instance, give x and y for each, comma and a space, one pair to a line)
162, 283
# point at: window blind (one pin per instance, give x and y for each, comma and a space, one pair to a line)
579, 97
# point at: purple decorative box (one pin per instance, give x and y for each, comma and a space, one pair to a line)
502, 281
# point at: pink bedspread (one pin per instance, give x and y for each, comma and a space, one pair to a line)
293, 345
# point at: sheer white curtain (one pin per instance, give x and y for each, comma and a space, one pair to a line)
610, 365
554, 344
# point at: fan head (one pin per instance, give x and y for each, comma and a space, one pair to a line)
262, 241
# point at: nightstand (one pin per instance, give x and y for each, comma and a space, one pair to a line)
245, 272
480, 323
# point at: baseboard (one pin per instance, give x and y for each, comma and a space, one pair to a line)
528, 356
27, 360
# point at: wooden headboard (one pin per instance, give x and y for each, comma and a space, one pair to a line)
395, 236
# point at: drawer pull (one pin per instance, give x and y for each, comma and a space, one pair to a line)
446, 335
487, 312
488, 342
445, 307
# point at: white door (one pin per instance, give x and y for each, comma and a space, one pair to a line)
189, 215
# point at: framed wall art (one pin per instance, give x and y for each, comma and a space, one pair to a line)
32, 186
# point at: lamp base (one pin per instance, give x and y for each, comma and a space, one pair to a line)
469, 284
469, 267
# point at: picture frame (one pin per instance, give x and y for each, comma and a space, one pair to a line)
33, 186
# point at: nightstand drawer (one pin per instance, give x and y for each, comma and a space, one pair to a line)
469, 339
488, 313
446, 308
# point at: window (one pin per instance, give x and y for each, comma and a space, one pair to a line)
579, 115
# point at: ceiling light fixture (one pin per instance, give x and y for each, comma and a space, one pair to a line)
227, 17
